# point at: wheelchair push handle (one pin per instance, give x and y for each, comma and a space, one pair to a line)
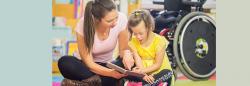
161, 2
198, 3
186, 2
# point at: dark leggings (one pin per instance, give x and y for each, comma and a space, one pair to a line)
163, 76
74, 69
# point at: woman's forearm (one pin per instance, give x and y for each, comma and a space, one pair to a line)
123, 40
98, 69
94, 67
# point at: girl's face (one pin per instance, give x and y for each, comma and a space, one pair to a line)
109, 20
140, 32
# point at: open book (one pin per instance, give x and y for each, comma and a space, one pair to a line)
124, 71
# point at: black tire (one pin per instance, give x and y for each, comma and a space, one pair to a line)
189, 74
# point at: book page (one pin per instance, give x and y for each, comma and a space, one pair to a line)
124, 71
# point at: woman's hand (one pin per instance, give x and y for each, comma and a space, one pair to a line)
116, 74
128, 60
149, 78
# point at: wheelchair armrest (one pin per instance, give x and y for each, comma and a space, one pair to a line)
171, 19
168, 13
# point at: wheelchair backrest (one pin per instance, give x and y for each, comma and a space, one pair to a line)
177, 5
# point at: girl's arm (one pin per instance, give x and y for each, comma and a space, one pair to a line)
158, 62
158, 59
138, 61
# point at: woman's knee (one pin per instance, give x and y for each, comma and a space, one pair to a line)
64, 58
66, 62
70, 66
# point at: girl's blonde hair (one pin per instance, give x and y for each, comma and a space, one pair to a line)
141, 15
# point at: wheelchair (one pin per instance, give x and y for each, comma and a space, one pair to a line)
191, 34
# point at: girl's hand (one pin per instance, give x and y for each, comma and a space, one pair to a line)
116, 74
138, 70
150, 79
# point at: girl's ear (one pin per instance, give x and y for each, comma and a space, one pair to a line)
130, 34
151, 29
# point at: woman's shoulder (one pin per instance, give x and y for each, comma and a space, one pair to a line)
122, 18
122, 15
121, 22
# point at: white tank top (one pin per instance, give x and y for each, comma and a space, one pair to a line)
103, 49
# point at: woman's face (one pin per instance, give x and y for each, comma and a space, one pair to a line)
140, 32
109, 20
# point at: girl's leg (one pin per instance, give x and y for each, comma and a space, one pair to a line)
163, 76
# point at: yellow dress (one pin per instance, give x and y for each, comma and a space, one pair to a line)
148, 54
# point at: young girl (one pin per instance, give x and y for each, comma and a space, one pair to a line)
149, 50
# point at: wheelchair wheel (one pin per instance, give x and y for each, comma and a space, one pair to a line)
195, 46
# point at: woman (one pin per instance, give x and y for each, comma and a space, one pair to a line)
97, 35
